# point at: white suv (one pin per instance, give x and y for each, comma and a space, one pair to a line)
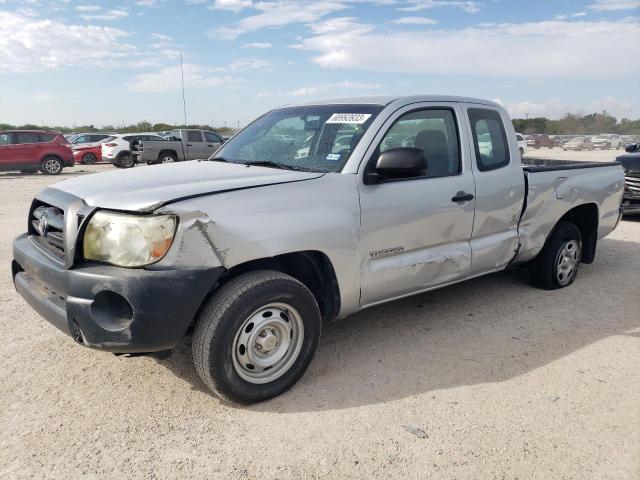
118, 150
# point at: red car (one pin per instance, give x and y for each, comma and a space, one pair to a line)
88, 154
33, 150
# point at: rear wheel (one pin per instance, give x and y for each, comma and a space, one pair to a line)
556, 266
256, 336
126, 160
89, 159
167, 157
51, 166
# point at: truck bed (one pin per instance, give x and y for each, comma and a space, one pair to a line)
553, 187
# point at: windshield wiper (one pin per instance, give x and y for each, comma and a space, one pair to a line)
269, 163
218, 159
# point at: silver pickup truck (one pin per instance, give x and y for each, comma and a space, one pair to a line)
311, 213
182, 144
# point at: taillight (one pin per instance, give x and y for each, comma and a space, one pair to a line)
110, 144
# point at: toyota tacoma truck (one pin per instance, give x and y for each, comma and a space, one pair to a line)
181, 145
310, 213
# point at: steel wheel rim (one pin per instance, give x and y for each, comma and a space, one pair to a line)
167, 159
52, 166
567, 261
267, 343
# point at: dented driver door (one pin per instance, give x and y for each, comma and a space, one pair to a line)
415, 232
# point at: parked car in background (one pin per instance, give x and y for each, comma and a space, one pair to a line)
90, 153
540, 140
252, 250
631, 163
89, 138
578, 143
30, 151
182, 145
118, 150
522, 143
606, 142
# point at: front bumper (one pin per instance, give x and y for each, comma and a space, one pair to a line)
110, 308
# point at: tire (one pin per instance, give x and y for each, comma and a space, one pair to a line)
29, 172
549, 270
117, 164
51, 166
227, 324
126, 160
89, 159
167, 157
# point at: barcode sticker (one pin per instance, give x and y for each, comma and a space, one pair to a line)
357, 118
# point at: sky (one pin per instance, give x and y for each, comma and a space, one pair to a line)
66, 62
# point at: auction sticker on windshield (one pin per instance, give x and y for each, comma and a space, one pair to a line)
357, 118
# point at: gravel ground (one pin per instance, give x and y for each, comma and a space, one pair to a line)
505, 380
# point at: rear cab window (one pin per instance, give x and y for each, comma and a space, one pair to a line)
489, 139
194, 136
5, 139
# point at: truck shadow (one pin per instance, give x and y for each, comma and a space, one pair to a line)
485, 330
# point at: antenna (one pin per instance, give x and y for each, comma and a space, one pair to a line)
184, 108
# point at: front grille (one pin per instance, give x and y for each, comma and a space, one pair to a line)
47, 229
632, 183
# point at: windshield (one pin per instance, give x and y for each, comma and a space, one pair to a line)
318, 138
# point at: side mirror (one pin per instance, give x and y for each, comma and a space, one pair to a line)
631, 148
403, 162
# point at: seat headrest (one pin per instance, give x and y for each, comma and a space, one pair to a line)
433, 142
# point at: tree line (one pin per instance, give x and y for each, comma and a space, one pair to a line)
577, 124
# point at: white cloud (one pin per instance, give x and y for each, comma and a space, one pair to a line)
532, 50
43, 97
615, 5
146, 3
414, 21
278, 14
417, 5
161, 37
233, 5
579, 14
168, 79
31, 45
554, 108
322, 89
87, 8
247, 64
108, 15
258, 45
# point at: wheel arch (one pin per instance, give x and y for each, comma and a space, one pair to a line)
311, 267
167, 150
586, 218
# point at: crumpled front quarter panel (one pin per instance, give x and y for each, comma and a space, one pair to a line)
321, 214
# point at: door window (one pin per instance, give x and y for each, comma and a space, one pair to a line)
489, 139
194, 136
47, 137
212, 137
27, 137
433, 131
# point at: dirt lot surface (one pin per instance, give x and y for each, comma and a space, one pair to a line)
505, 380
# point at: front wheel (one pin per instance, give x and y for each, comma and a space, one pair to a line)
256, 336
89, 159
126, 160
556, 266
51, 166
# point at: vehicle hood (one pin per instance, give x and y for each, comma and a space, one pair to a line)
148, 188
630, 161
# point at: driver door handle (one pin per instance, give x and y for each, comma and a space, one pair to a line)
461, 197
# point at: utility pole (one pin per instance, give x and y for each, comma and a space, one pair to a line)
526, 116
184, 108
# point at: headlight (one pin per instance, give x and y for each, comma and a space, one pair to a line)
128, 240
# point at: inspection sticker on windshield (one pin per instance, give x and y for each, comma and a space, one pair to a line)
357, 118
333, 157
